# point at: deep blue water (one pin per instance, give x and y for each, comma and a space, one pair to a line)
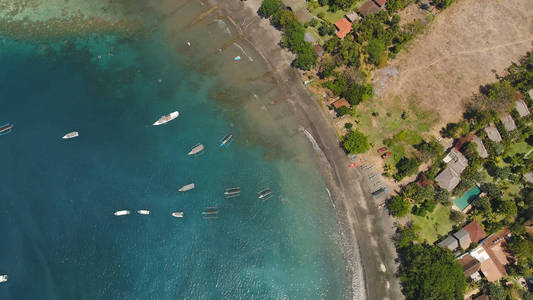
60, 239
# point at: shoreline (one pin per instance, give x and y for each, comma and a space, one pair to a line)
358, 216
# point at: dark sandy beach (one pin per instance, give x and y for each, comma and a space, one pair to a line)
367, 229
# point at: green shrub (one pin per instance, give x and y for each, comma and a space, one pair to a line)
355, 142
398, 207
269, 8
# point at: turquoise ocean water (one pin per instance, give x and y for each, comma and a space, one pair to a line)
60, 239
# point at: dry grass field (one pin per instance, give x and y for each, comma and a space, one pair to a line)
466, 46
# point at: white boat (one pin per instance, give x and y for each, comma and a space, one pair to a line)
196, 149
122, 212
3, 278
167, 118
187, 187
71, 135
143, 212
177, 214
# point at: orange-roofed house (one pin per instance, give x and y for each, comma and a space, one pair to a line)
475, 231
381, 3
343, 27
340, 103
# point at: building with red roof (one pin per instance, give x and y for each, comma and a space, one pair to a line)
475, 231
381, 3
340, 103
343, 27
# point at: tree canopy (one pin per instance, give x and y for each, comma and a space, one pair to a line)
430, 272
269, 7
356, 142
398, 207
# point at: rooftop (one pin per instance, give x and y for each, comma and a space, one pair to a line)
381, 2
343, 27
340, 103
463, 237
521, 107
470, 265
456, 161
475, 231
508, 123
448, 179
368, 8
352, 16
481, 150
450, 242
493, 134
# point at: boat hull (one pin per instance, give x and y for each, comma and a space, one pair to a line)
187, 187
196, 149
6, 128
166, 118
71, 135
122, 213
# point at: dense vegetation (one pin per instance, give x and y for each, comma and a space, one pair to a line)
293, 33
430, 272
356, 142
507, 199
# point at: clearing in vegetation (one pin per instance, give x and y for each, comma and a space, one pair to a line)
467, 45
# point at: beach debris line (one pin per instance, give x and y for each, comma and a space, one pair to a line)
6, 128
232, 192
187, 187
166, 118
71, 135
196, 149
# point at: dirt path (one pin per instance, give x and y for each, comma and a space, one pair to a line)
467, 45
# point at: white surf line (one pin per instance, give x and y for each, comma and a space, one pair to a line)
315, 145
239, 46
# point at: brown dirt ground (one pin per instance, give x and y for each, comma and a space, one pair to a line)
467, 45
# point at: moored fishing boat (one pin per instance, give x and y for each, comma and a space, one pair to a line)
232, 192
70, 135
177, 214
166, 118
264, 194
209, 211
122, 212
6, 128
226, 140
196, 149
3, 278
187, 187
143, 212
